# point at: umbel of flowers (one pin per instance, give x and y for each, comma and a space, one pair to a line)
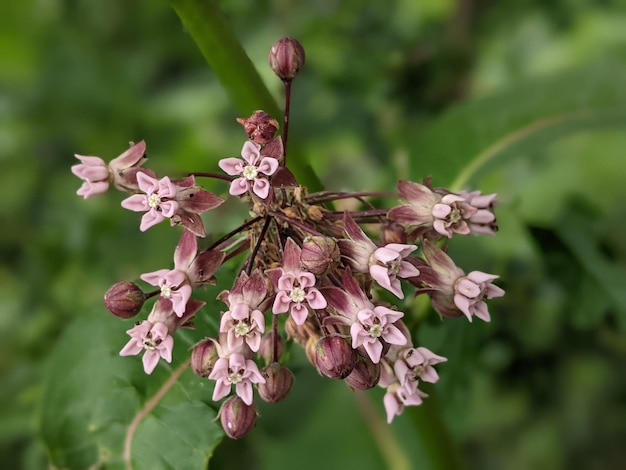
312, 274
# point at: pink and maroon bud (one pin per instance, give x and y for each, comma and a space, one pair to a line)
365, 374
286, 58
334, 357
266, 350
260, 127
278, 382
237, 418
203, 357
393, 232
319, 254
124, 299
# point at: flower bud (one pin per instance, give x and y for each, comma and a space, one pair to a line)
392, 232
286, 58
203, 357
260, 127
124, 299
278, 381
319, 254
365, 374
334, 357
266, 350
236, 417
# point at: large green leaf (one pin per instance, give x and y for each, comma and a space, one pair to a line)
101, 410
472, 138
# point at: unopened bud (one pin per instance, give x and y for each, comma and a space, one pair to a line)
203, 357
392, 232
319, 254
278, 381
365, 374
260, 127
286, 58
266, 350
334, 357
236, 417
124, 299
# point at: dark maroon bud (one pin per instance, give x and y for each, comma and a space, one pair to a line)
266, 350
237, 418
365, 374
278, 381
260, 127
319, 254
124, 299
203, 357
286, 58
334, 357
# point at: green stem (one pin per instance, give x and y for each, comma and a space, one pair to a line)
217, 42
435, 437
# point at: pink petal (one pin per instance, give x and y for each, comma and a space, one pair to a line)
154, 278
179, 298
168, 208
250, 152
222, 388
261, 187
467, 288
393, 335
150, 360
480, 311
268, 166
132, 348
231, 166
136, 203
254, 341
374, 350
381, 275
281, 303
238, 187
150, 219
299, 313
129, 158
463, 304
89, 189
147, 183
165, 348
244, 390
315, 299
393, 407
441, 211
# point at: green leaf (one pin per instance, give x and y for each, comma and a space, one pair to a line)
100, 409
471, 139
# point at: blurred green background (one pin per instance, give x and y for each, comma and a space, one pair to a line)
388, 89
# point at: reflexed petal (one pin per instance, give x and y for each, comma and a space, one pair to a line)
393, 335
222, 388
463, 304
185, 251
393, 407
129, 158
244, 390
150, 360
291, 257
150, 219
481, 311
407, 270
136, 203
166, 347
374, 350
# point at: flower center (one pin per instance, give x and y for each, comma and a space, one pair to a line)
297, 294
154, 201
376, 330
150, 343
242, 328
166, 291
250, 172
235, 377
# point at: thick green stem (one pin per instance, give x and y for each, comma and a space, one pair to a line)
215, 38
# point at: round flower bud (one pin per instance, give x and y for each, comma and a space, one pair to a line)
124, 299
203, 357
319, 254
266, 350
260, 127
334, 357
278, 381
365, 374
286, 58
236, 417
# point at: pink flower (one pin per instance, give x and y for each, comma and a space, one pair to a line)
426, 209
484, 219
154, 339
158, 200
398, 396
174, 286
253, 170
385, 264
244, 322
238, 371
121, 171
452, 292
470, 292
417, 363
295, 288
374, 325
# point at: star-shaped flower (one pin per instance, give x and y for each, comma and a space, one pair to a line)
154, 339
253, 171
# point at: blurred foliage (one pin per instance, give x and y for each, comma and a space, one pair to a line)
384, 84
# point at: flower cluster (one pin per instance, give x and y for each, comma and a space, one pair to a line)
314, 274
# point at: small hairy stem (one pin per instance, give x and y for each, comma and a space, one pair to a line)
232, 233
360, 214
286, 117
295, 223
330, 196
257, 246
217, 176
